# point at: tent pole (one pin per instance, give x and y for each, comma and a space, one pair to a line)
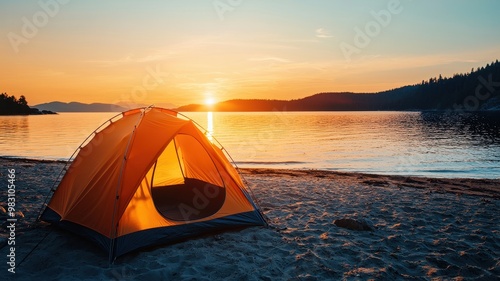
114, 226
178, 159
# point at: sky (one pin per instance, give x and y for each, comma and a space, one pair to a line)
186, 51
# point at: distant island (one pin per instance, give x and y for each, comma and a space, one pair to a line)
92, 107
475, 91
81, 107
10, 105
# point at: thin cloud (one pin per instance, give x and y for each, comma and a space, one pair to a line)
155, 56
323, 33
273, 59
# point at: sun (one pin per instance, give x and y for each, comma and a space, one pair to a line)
209, 101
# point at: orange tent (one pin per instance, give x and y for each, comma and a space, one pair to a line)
149, 177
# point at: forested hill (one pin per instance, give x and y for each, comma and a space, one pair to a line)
10, 105
476, 90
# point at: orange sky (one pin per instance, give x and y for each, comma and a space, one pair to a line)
181, 52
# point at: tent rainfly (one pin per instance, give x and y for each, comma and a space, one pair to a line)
147, 177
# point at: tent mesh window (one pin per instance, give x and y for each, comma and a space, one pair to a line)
185, 183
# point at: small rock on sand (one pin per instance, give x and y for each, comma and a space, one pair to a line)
353, 224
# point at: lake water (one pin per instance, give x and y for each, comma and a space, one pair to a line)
405, 143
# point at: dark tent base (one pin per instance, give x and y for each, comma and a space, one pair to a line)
156, 236
193, 200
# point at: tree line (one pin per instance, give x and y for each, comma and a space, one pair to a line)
471, 91
476, 90
10, 105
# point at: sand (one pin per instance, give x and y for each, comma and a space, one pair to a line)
423, 229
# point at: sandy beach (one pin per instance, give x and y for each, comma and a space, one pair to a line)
421, 229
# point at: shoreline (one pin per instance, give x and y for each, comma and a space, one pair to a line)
31, 160
462, 186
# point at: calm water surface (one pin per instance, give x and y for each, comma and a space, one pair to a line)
407, 143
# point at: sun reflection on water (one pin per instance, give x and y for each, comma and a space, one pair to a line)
210, 126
